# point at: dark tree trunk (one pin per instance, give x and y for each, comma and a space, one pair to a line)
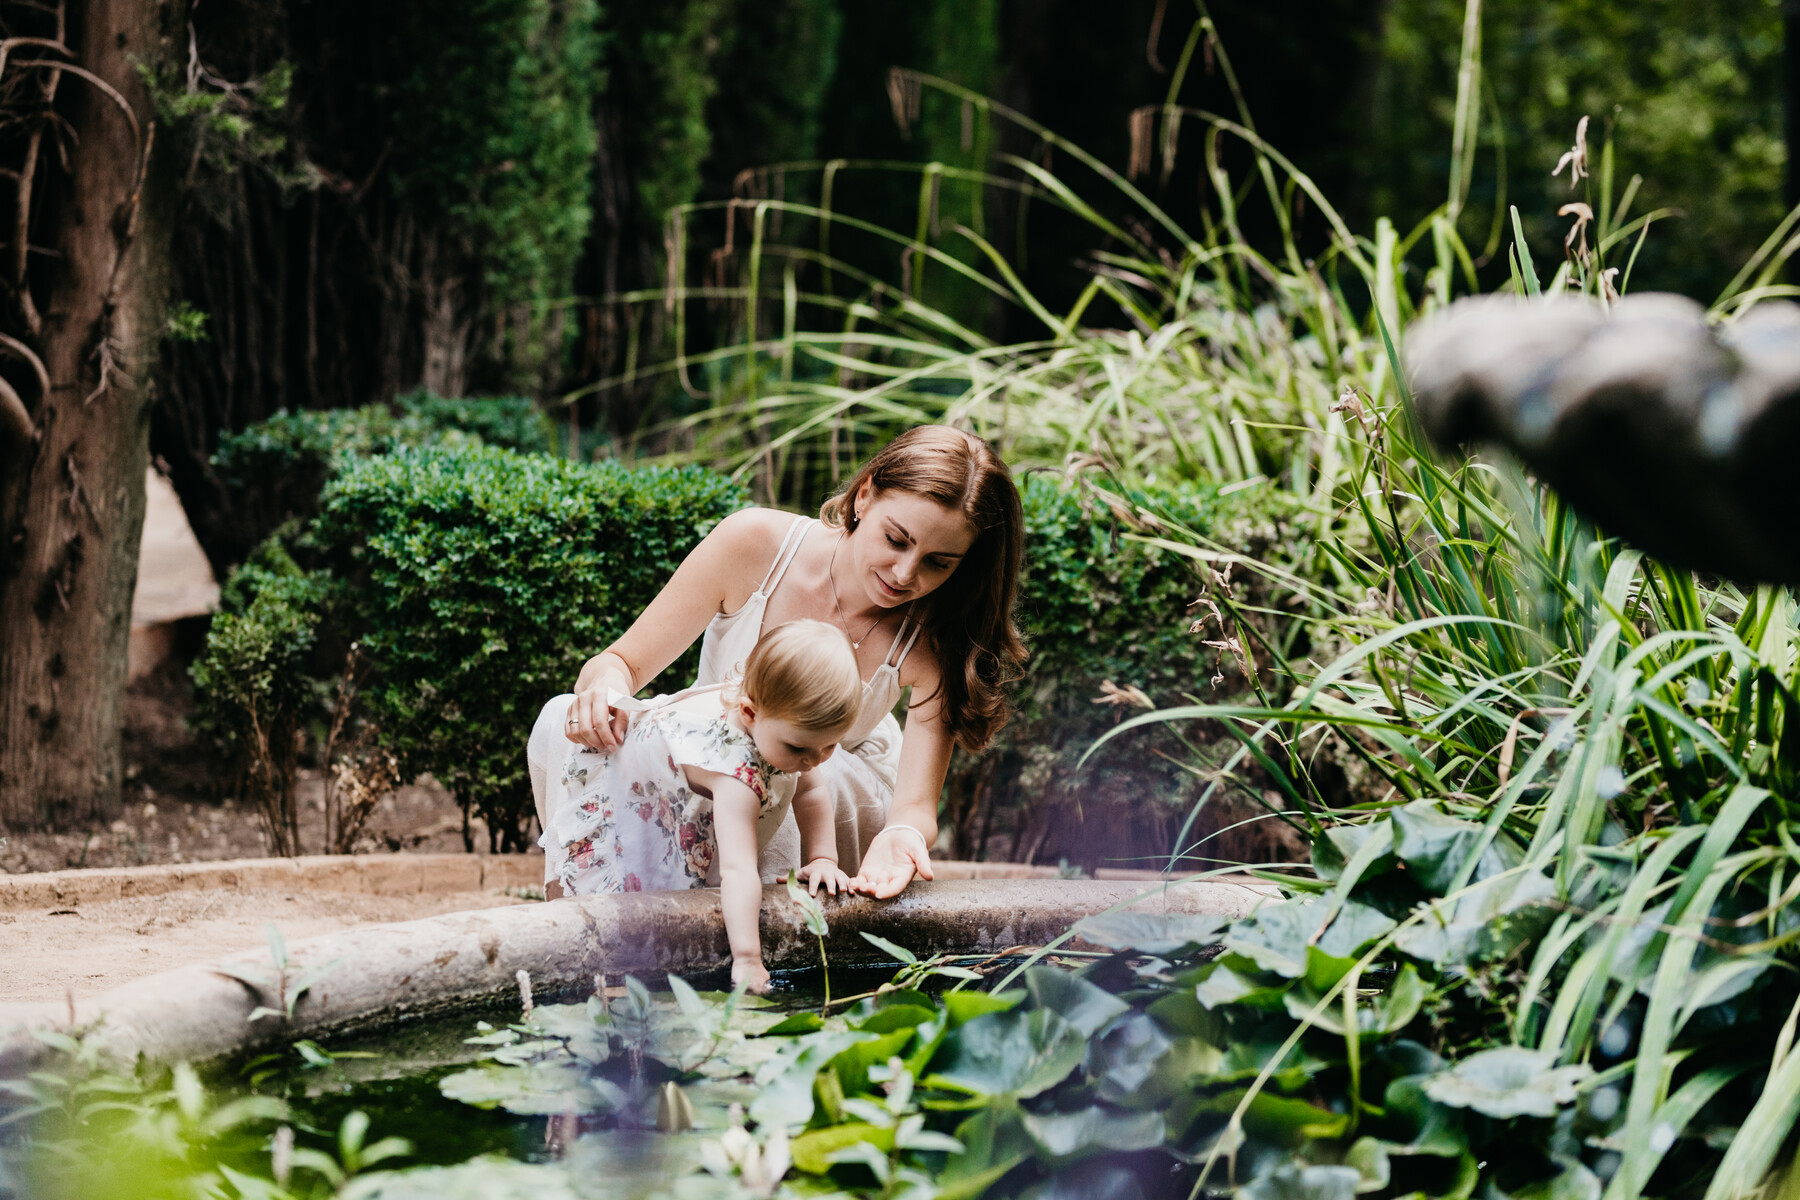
90, 310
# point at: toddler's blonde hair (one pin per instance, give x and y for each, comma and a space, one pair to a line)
805, 672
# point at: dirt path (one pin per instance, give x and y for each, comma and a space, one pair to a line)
46, 954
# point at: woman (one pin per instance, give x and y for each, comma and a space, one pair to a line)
917, 560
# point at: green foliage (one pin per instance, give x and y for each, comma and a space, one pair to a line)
1688, 95
256, 686
662, 63
81, 1128
274, 470
478, 581
494, 131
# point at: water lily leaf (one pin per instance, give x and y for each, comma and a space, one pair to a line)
1490, 921
1434, 847
787, 1080
1369, 1157
540, 1089
1324, 970
1246, 1059
798, 1023
1390, 1012
966, 1006
490, 1177
1226, 986
1573, 1182
1297, 1182
1091, 1130
1724, 980
1509, 1081
813, 1149
1279, 1120
1009, 1054
1436, 1128
1341, 843
1276, 937
1163, 934
1125, 1057
994, 1142
896, 1016
1077, 1001
852, 1065
811, 911
1355, 926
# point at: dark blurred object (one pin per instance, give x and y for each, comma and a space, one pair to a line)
1676, 436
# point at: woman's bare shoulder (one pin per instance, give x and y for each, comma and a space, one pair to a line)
740, 548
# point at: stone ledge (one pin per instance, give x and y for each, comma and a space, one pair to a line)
387, 973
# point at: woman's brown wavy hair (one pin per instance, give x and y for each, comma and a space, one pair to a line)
969, 618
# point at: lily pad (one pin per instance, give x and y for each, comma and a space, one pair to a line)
813, 1149
1297, 1182
1162, 934
966, 1006
538, 1090
1077, 1001
1009, 1054
1509, 1081
490, 1177
1434, 847
1093, 1130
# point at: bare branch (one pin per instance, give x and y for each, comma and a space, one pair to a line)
20, 350
6, 48
112, 93
15, 419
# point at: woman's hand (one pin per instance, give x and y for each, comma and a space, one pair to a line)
894, 857
594, 723
826, 872
749, 974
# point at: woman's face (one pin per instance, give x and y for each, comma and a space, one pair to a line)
905, 545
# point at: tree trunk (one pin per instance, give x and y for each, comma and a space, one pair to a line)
72, 493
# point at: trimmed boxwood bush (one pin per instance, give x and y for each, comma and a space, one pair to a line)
479, 580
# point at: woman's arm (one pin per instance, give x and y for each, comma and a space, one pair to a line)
903, 848
715, 577
740, 883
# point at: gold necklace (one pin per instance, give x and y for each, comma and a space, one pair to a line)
831, 574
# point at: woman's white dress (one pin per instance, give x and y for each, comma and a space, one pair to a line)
860, 777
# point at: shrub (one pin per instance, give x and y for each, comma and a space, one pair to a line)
255, 686
274, 471
478, 580
1097, 607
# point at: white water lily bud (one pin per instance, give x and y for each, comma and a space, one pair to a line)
737, 1143
524, 978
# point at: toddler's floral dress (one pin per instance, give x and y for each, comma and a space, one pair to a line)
630, 822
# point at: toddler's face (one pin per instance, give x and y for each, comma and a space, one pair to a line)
789, 748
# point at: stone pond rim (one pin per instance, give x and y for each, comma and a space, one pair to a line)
384, 974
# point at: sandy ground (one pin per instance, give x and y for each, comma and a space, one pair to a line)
44, 955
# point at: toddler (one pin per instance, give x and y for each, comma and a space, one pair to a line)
677, 805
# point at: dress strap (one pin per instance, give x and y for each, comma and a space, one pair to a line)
917, 628
784, 557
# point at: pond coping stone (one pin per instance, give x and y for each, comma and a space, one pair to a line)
386, 974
